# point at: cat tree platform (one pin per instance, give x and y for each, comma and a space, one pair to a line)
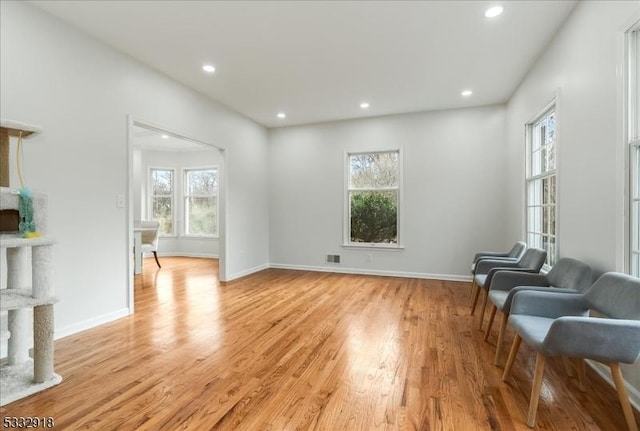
29, 264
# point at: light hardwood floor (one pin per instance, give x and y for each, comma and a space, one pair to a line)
285, 350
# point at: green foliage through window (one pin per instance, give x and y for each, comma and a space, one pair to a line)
201, 201
373, 189
374, 217
162, 186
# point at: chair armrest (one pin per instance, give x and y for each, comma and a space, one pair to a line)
506, 308
507, 280
548, 304
489, 255
497, 270
600, 339
477, 259
484, 265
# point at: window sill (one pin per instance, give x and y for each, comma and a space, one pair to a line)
370, 246
200, 237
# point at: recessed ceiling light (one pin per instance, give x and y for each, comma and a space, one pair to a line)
281, 115
467, 93
364, 105
165, 136
208, 68
493, 12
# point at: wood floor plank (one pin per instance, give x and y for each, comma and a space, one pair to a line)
295, 350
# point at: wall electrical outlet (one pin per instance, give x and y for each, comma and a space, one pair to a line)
369, 257
120, 201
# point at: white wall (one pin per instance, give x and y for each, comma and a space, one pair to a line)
453, 191
583, 64
81, 92
177, 245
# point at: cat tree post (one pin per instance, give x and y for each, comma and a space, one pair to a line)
42, 276
4, 157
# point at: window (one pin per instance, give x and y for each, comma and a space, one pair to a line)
541, 184
373, 197
162, 203
633, 140
201, 202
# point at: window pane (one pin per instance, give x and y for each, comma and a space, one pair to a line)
202, 182
635, 225
545, 190
549, 141
536, 162
534, 240
635, 263
634, 81
201, 213
550, 246
374, 216
535, 192
162, 182
373, 170
163, 213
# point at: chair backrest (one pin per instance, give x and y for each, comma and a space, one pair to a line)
518, 250
533, 259
570, 274
615, 295
151, 235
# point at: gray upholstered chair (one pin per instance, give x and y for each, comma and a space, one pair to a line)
514, 254
531, 261
567, 275
558, 324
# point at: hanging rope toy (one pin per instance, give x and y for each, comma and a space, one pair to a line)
27, 225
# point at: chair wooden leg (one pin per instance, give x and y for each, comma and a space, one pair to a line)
155, 254
483, 307
535, 390
503, 328
492, 315
512, 357
473, 287
475, 299
567, 366
581, 374
622, 395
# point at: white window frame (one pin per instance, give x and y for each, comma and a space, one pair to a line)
347, 243
632, 141
173, 198
530, 135
186, 196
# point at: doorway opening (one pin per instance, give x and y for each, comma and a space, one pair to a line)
180, 182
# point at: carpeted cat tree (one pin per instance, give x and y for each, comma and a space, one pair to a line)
29, 274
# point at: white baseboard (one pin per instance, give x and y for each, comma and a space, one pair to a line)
91, 323
235, 276
205, 255
603, 371
78, 327
383, 273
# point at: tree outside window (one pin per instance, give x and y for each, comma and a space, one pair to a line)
201, 202
373, 197
541, 184
162, 192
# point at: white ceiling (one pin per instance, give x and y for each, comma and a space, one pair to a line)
318, 60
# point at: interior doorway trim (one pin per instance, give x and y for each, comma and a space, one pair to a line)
222, 199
